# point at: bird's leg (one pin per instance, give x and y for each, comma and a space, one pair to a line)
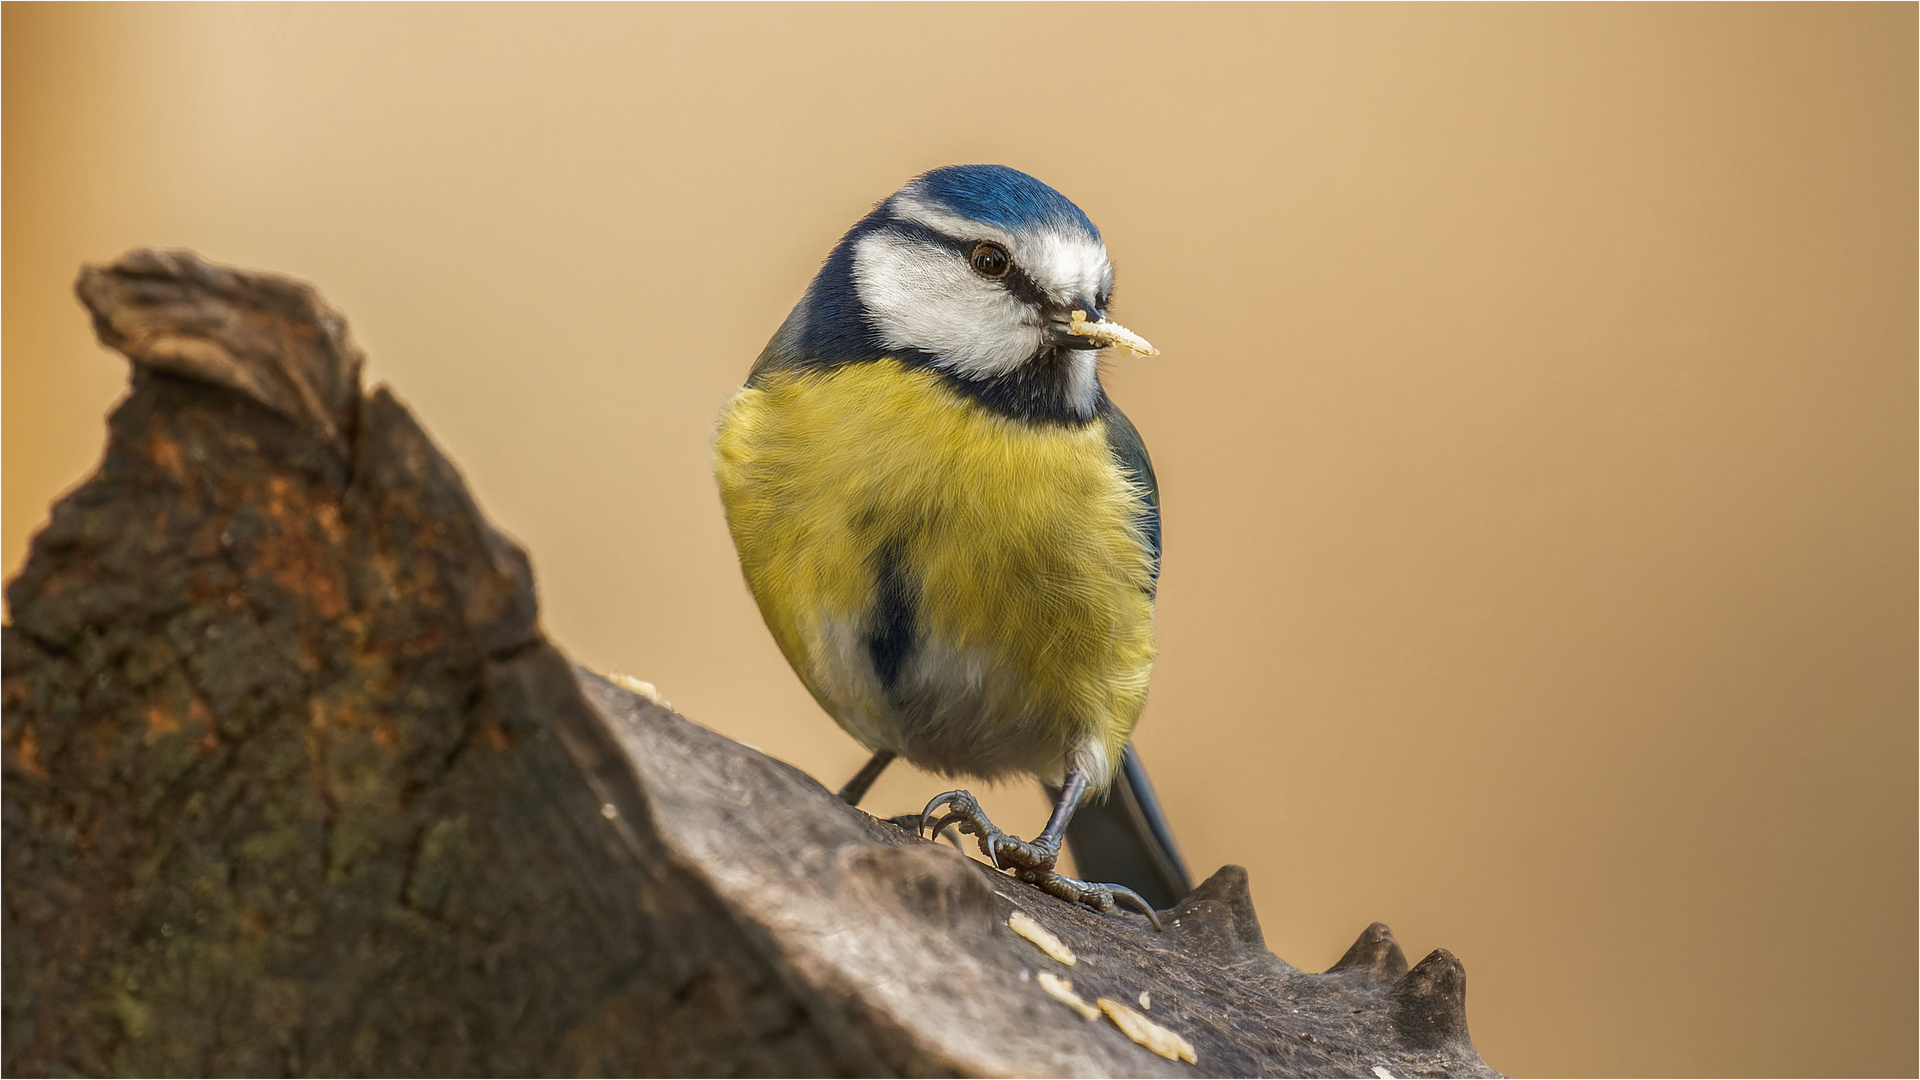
1071, 792
1033, 861
856, 788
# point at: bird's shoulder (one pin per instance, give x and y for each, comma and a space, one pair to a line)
1130, 452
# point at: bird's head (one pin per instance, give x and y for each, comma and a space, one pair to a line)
980, 271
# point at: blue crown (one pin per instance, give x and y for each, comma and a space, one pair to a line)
999, 196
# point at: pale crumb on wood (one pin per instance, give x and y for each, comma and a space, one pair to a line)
639, 686
1381, 1072
1021, 923
1146, 1000
1147, 1033
1061, 990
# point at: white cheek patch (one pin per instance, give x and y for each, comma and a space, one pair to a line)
928, 298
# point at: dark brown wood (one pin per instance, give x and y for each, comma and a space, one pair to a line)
294, 784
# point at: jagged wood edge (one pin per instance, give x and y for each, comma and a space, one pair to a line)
872, 867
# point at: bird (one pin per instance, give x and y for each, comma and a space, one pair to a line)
951, 530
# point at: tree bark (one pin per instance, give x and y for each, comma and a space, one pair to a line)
295, 785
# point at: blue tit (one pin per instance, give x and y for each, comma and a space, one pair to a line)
951, 530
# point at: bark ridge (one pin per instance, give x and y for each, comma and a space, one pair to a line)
294, 784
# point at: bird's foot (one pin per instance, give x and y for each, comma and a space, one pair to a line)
1004, 851
1100, 896
1031, 862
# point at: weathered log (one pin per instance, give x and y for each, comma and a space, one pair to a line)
294, 784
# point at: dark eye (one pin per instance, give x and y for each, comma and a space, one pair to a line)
990, 260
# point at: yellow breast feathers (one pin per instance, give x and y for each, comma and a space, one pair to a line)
970, 590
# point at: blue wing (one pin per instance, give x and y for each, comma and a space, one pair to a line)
1131, 452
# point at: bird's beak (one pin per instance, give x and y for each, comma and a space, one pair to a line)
1085, 333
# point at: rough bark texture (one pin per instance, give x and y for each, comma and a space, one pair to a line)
294, 784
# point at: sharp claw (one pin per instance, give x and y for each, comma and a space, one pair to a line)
946, 797
933, 828
989, 846
1134, 899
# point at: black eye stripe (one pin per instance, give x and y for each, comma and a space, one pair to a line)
1016, 282
1023, 287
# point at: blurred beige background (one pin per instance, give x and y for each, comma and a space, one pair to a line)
1535, 419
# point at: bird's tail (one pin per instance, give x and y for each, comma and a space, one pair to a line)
1125, 840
